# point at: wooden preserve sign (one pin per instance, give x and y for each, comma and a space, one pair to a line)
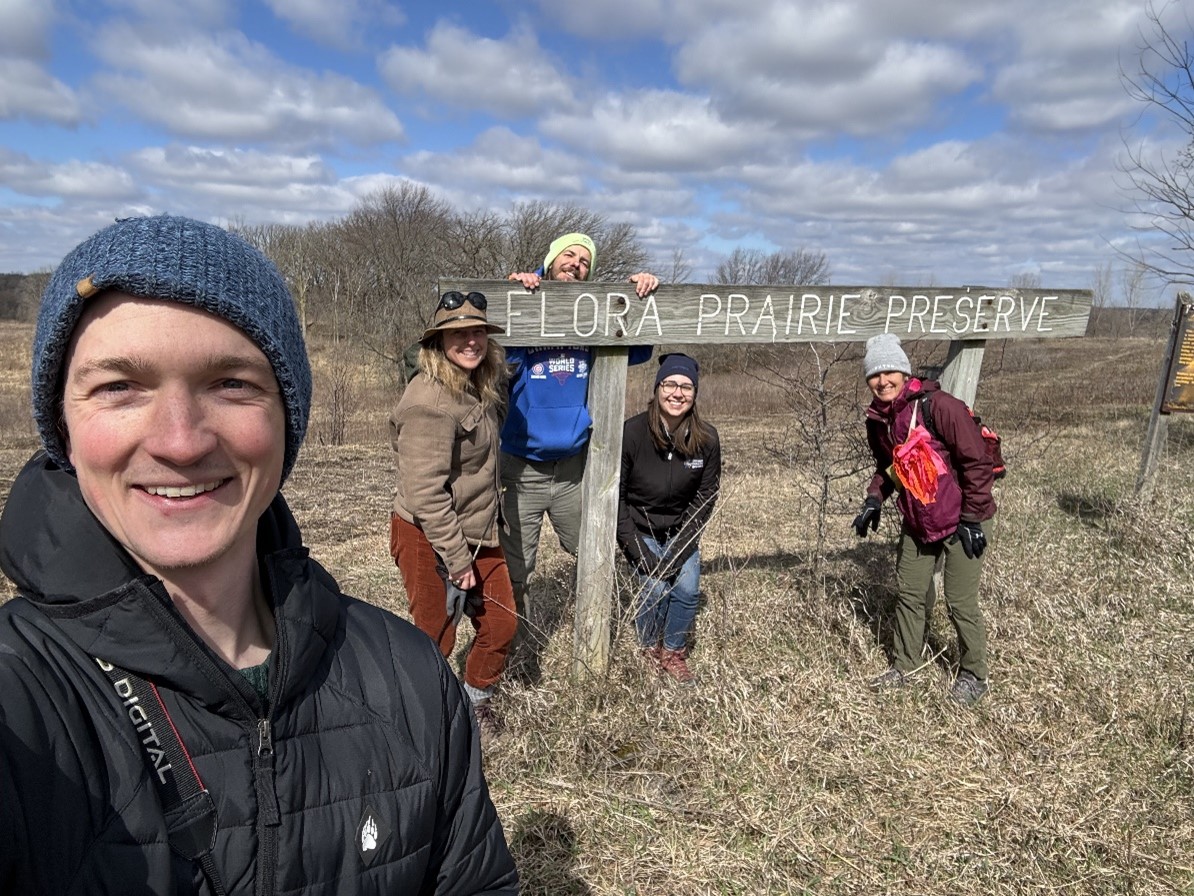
1179, 384
567, 313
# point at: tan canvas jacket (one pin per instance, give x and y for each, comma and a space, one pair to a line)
446, 456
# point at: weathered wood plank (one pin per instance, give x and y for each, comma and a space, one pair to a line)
611, 314
962, 367
598, 525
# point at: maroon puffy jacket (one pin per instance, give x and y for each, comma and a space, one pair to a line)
964, 492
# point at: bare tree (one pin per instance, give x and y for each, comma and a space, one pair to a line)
475, 246
1163, 81
1102, 282
751, 267
1131, 282
24, 296
397, 241
1025, 280
619, 252
294, 250
1102, 285
677, 269
823, 438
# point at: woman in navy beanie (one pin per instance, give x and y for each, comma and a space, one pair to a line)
671, 474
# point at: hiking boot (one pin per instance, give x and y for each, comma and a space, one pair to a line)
892, 678
488, 722
672, 662
967, 689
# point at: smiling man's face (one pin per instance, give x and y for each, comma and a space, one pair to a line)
176, 428
571, 264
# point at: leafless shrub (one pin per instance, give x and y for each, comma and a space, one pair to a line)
337, 395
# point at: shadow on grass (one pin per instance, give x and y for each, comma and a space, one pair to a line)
1090, 510
860, 578
544, 848
552, 598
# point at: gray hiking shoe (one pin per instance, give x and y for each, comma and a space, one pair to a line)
967, 689
892, 678
489, 723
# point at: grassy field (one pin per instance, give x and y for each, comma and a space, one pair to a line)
782, 773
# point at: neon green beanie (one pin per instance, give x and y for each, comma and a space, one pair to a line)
570, 239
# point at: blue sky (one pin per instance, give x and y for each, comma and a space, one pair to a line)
915, 142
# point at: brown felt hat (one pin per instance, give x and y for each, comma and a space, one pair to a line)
457, 311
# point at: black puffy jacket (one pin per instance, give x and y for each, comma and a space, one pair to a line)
364, 719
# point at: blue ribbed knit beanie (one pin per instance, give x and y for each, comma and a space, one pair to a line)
186, 261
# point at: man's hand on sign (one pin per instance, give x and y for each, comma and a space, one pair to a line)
644, 283
528, 281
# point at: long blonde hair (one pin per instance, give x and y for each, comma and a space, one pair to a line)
487, 381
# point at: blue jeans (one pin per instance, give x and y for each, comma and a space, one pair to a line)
665, 610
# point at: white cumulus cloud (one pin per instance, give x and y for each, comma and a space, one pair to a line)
227, 87
511, 77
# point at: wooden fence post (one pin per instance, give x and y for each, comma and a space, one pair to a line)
962, 367
599, 499
1158, 423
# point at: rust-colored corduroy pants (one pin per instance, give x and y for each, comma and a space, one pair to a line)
495, 622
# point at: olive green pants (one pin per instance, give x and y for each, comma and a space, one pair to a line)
915, 563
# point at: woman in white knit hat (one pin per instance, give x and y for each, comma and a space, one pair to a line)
942, 476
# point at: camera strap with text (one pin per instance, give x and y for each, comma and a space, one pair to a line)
189, 810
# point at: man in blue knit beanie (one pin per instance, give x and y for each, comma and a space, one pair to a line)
190, 702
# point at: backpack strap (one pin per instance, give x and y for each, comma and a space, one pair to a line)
189, 810
926, 415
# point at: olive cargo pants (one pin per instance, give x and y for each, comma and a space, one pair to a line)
915, 562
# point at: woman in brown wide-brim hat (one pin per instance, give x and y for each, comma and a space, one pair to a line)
444, 524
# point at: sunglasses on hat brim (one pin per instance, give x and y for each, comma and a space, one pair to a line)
452, 300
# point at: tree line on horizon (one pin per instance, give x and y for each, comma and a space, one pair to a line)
369, 277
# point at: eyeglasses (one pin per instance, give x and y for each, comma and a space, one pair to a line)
450, 301
667, 387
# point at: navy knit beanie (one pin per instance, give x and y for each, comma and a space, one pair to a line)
186, 261
678, 362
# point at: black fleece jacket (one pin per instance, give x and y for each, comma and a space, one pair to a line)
664, 494
363, 776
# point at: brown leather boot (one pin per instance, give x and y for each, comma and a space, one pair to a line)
673, 663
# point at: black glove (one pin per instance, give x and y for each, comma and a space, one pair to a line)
974, 542
868, 516
457, 601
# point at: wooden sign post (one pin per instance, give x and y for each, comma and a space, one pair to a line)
610, 318
1175, 392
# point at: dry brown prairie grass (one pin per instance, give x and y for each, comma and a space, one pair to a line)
782, 773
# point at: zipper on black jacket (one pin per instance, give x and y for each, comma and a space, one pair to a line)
261, 741
269, 816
